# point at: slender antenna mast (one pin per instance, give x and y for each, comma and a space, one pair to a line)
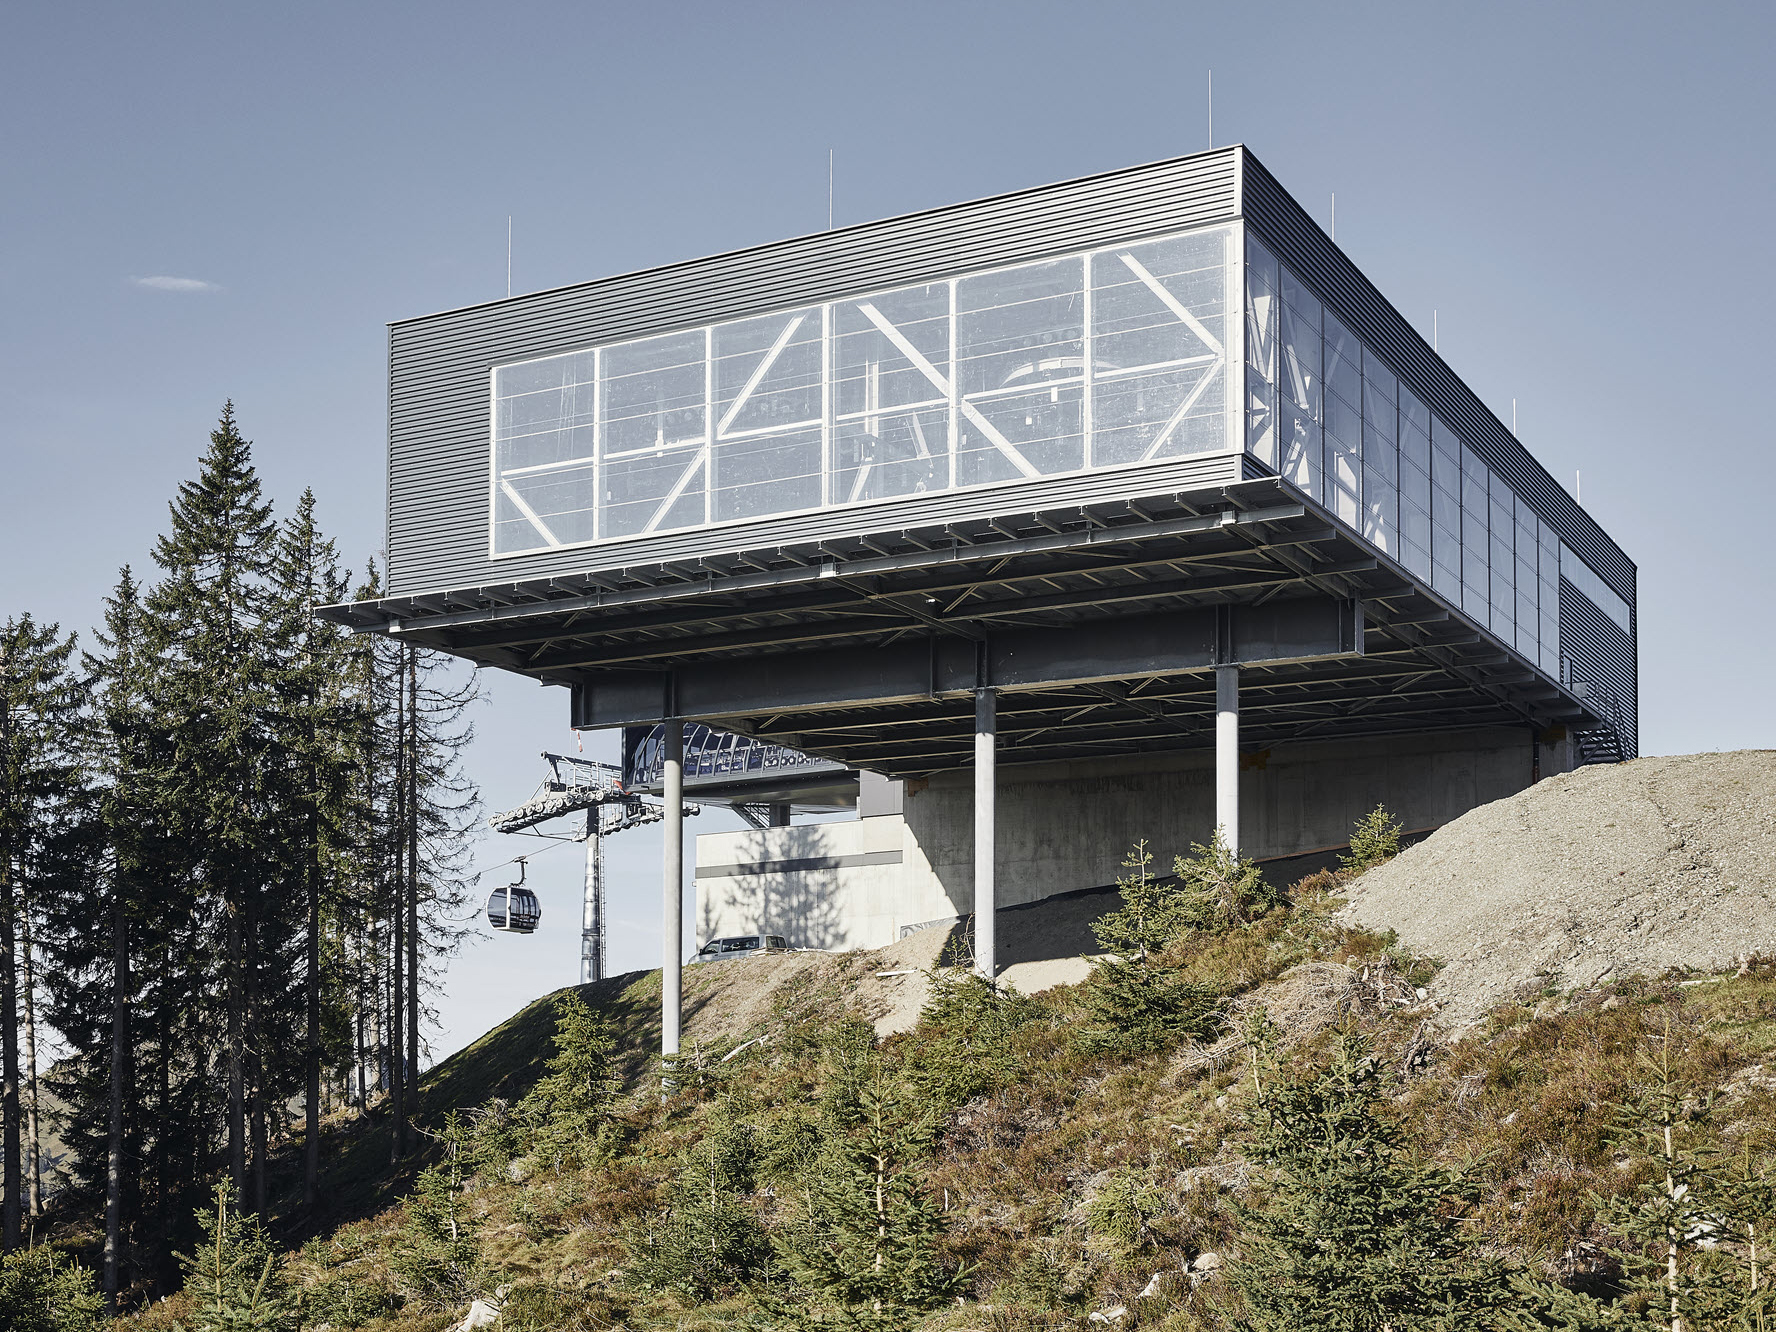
1578, 490
829, 188
1513, 416
508, 254
1433, 330
1211, 108
1334, 214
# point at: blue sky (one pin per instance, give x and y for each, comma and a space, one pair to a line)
1580, 191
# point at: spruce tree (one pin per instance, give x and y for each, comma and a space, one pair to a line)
1374, 841
867, 1252
211, 611
41, 703
1354, 1234
569, 1104
234, 1278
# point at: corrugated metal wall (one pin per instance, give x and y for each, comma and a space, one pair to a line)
438, 365
1598, 652
1298, 241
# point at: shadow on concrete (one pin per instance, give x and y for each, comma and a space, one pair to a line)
802, 906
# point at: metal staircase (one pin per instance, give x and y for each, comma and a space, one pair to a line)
1602, 743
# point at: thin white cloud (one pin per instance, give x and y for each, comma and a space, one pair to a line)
160, 282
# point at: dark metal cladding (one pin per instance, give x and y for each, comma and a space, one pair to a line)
1599, 653
439, 364
1282, 224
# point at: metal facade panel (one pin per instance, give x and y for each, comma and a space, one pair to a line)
439, 364
1298, 241
1599, 653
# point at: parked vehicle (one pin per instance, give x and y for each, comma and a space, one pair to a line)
739, 946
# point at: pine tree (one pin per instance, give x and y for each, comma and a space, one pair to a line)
867, 1252
707, 1240
1355, 1235
42, 1291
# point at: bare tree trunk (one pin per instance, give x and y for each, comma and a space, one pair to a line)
33, 1139
9, 1097
237, 1127
413, 883
9, 1071
120, 986
255, 1052
311, 1144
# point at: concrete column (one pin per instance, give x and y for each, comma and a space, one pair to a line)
1227, 754
672, 891
985, 896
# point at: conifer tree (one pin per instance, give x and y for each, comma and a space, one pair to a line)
570, 1102
234, 1278
211, 611
41, 701
1355, 1235
867, 1252
1374, 841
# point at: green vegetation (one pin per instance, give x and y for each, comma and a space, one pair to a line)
1290, 1148
41, 1291
1374, 841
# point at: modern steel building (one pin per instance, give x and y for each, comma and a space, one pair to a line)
1123, 507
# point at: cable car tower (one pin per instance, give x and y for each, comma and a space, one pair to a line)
576, 784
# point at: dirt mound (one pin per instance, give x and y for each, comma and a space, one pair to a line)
1610, 870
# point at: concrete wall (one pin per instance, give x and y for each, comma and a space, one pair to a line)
1068, 825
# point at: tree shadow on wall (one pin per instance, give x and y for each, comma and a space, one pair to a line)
801, 905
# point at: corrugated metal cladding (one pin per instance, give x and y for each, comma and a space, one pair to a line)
1284, 225
1602, 655
438, 365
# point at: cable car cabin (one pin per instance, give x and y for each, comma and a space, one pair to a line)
514, 910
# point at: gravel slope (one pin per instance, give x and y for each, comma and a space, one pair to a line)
1610, 870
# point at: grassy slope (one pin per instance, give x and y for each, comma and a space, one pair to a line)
1525, 1102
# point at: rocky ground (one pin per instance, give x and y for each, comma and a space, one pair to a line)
1607, 871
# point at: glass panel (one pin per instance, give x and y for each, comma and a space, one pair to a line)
550, 508
1301, 448
1380, 509
1344, 362
765, 474
652, 393
1021, 434
1301, 359
1161, 414
1414, 415
1262, 303
652, 490
767, 373
1158, 303
891, 453
892, 350
1020, 327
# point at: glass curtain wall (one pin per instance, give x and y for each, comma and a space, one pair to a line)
1331, 417
1110, 358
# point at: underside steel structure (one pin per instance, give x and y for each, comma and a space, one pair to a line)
1097, 625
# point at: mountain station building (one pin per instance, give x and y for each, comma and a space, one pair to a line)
1121, 508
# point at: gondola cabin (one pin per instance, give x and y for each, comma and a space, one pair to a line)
514, 909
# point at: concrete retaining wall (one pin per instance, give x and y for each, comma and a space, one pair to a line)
1066, 826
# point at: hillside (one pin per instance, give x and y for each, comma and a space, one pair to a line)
1079, 1170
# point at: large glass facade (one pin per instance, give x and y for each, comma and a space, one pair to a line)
1109, 358
1330, 416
